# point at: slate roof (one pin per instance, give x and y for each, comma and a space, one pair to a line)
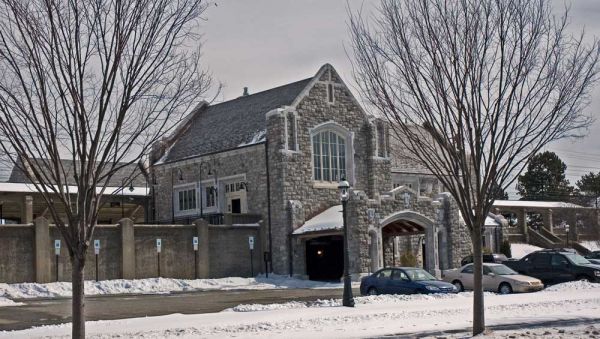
123, 175
232, 123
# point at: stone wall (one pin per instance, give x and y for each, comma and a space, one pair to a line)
248, 161
17, 258
223, 251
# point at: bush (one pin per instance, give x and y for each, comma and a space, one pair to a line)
408, 259
486, 250
505, 249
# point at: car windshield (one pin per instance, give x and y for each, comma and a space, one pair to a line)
417, 274
502, 270
577, 259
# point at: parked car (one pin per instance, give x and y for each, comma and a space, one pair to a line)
403, 280
556, 266
496, 278
594, 261
497, 258
593, 255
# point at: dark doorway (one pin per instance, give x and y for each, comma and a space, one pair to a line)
236, 206
325, 258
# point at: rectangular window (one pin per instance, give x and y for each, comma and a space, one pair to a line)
330, 93
342, 157
210, 196
326, 157
291, 132
187, 200
317, 156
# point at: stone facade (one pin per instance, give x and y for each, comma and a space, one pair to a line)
297, 194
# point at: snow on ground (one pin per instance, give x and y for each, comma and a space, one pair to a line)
8, 302
157, 285
518, 251
592, 245
372, 316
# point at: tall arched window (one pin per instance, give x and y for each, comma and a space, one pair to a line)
329, 156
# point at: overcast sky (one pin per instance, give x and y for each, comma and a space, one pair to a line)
265, 43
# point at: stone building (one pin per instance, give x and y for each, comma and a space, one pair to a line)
275, 158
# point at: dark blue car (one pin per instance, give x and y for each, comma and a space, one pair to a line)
403, 280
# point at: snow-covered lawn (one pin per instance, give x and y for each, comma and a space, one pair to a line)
156, 285
518, 251
372, 316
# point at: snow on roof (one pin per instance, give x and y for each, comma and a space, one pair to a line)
329, 220
539, 204
30, 188
489, 221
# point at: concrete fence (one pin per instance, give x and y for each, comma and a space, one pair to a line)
128, 251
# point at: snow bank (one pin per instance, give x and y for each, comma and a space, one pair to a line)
7, 302
157, 285
367, 300
518, 251
573, 285
592, 245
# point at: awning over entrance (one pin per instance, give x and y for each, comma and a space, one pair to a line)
402, 227
329, 221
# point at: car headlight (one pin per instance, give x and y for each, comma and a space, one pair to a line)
597, 273
525, 283
432, 288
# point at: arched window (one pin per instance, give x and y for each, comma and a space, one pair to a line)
329, 156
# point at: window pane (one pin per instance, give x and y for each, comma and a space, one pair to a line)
180, 201
326, 156
342, 157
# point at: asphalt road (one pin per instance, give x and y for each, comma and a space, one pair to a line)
54, 311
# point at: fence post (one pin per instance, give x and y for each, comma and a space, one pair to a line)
203, 252
127, 249
43, 252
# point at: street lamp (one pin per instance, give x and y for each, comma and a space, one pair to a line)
567, 229
201, 188
347, 299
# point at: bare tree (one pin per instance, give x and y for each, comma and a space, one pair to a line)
96, 83
490, 82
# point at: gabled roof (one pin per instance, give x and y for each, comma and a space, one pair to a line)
232, 124
130, 174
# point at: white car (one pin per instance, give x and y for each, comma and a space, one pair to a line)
496, 277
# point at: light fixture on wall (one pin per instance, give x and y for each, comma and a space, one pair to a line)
244, 185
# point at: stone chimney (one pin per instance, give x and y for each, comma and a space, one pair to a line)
245, 92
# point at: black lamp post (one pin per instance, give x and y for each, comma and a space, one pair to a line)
348, 299
180, 179
203, 163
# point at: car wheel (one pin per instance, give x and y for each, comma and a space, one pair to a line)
372, 291
459, 286
584, 278
505, 288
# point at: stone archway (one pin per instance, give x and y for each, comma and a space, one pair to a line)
416, 227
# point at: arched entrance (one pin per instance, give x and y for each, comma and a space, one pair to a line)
410, 238
325, 258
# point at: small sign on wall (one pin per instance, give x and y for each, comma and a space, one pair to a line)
57, 246
195, 243
158, 245
251, 242
371, 214
96, 246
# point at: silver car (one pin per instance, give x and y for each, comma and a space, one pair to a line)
496, 277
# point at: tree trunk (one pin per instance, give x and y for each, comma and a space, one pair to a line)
478, 306
78, 264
